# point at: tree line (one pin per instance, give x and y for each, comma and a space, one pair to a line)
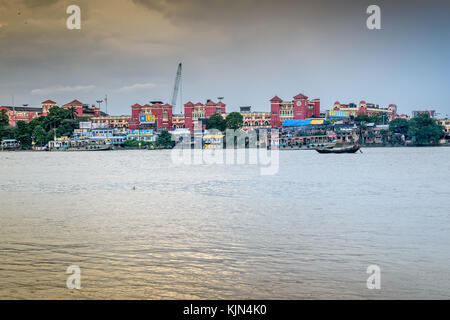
422, 130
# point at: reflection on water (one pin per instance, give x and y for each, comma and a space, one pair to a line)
142, 227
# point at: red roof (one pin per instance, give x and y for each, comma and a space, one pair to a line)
167, 105
276, 99
189, 103
221, 103
136, 105
198, 104
300, 96
73, 103
49, 102
211, 103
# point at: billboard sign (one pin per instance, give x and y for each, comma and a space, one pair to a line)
147, 118
337, 114
142, 132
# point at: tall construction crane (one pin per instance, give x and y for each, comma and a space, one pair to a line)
176, 88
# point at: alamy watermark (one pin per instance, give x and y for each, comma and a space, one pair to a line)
74, 280
235, 147
374, 20
74, 20
374, 280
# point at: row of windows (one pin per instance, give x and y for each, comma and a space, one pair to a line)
286, 112
266, 123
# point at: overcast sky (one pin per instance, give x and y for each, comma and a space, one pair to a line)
244, 50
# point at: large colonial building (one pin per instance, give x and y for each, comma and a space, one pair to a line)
27, 114
154, 116
112, 121
366, 108
255, 120
200, 112
21, 114
299, 108
83, 110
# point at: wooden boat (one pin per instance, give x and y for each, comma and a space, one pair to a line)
350, 149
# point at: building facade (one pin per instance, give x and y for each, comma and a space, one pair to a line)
21, 114
46, 106
113, 121
177, 121
199, 112
154, 116
83, 110
299, 108
256, 120
366, 108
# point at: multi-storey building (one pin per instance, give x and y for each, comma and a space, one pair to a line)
299, 108
46, 106
21, 113
255, 120
200, 112
154, 116
178, 121
113, 121
83, 110
366, 108
446, 124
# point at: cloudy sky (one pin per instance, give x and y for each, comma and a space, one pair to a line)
244, 50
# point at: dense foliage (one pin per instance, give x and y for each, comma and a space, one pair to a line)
164, 140
372, 118
424, 130
216, 121
233, 120
399, 126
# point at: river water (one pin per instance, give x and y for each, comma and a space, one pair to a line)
140, 226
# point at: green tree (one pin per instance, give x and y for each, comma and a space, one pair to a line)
399, 126
216, 121
6, 132
4, 118
22, 133
72, 113
234, 120
425, 130
40, 136
164, 140
370, 118
396, 139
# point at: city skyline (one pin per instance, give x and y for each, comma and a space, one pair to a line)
244, 52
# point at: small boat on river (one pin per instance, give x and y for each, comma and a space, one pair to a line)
349, 149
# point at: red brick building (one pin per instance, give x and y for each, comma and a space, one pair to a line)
367, 108
21, 114
83, 110
199, 111
299, 108
46, 106
156, 115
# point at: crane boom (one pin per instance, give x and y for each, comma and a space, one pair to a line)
176, 86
